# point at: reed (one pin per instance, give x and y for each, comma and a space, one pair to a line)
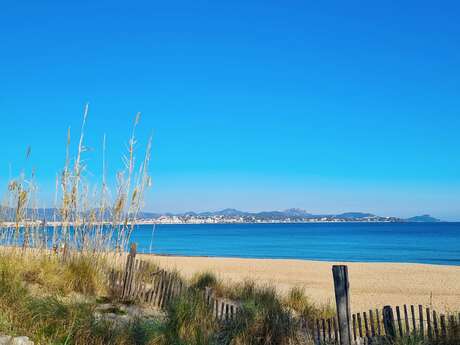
85, 219
53, 267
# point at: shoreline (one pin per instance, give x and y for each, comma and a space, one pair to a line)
343, 262
372, 284
10, 224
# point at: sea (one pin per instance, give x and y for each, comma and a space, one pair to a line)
427, 243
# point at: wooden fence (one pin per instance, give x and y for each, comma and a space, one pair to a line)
137, 282
402, 321
368, 327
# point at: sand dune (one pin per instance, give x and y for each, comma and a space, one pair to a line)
372, 284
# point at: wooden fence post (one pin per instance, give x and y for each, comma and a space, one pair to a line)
389, 322
342, 299
129, 271
208, 294
443, 326
420, 317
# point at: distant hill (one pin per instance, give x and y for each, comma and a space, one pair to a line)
270, 214
288, 213
148, 215
230, 212
423, 218
49, 214
227, 212
297, 212
354, 215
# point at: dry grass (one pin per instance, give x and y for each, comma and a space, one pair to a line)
90, 220
298, 301
51, 275
43, 270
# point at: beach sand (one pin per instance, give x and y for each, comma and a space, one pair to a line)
372, 285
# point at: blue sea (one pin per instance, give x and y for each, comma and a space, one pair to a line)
431, 243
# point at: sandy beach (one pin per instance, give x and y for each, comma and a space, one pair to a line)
372, 285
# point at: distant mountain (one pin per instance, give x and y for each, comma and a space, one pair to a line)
49, 214
289, 213
9, 213
423, 218
354, 215
270, 214
229, 212
148, 215
297, 212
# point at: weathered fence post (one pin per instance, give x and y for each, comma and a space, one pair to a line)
129, 271
389, 322
65, 252
208, 294
342, 299
443, 326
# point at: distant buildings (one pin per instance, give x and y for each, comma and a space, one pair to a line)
232, 219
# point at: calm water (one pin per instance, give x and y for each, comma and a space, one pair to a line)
435, 243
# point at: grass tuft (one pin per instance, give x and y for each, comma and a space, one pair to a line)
84, 276
299, 302
189, 321
204, 279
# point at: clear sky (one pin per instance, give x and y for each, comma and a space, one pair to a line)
327, 106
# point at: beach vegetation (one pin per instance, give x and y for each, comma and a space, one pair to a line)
298, 300
54, 277
262, 318
201, 280
189, 321
55, 316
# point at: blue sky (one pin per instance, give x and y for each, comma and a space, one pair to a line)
337, 106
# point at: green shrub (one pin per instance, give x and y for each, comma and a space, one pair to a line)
189, 321
203, 280
298, 301
83, 275
261, 320
53, 319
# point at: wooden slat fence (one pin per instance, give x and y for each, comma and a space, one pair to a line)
322, 331
161, 287
135, 282
371, 325
402, 321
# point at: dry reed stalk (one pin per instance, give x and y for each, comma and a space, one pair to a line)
83, 220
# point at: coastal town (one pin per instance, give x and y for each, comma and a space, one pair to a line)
52, 217
232, 216
188, 219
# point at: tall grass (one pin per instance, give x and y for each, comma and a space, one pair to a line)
263, 317
190, 321
299, 302
205, 279
45, 262
49, 275
34, 301
86, 218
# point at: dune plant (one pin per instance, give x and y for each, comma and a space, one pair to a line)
189, 321
48, 316
85, 217
47, 258
298, 301
263, 319
205, 279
